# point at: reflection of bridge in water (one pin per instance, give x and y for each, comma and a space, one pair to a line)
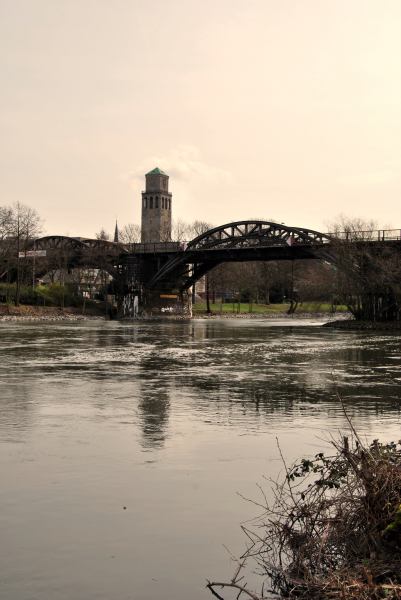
160, 274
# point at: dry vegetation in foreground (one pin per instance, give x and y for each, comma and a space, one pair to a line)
332, 531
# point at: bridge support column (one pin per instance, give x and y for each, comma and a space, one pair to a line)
162, 303
156, 303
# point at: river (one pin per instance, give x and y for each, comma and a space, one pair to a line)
124, 446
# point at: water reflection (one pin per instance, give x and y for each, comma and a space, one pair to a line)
154, 409
249, 367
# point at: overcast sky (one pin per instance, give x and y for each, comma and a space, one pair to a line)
280, 109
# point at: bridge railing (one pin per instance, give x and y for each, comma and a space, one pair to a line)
377, 235
155, 247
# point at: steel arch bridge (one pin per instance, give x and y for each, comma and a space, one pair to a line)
255, 233
180, 265
154, 268
240, 241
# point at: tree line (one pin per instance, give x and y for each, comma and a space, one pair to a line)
19, 225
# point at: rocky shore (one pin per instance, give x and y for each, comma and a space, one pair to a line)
50, 313
273, 316
53, 314
43, 313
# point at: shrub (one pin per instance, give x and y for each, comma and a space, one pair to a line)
53, 294
333, 529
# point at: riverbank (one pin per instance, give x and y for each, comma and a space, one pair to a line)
305, 310
51, 313
275, 310
272, 316
44, 313
353, 325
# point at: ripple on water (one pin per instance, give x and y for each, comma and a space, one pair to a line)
169, 420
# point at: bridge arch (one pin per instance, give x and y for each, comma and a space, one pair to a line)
62, 242
57, 242
255, 233
240, 241
79, 252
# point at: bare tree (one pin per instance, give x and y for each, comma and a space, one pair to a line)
368, 271
103, 235
6, 239
5, 222
181, 230
356, 229
20, 226
198, 227
130, 234
266, 273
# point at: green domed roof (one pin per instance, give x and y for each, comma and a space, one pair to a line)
156, 171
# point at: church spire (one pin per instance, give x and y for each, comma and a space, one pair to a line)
116, 232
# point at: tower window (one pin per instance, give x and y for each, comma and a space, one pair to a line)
151, 202
157, 202
169, 203
145, 203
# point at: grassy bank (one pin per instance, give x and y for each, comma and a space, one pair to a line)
267, 309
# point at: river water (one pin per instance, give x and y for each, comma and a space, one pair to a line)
124, 446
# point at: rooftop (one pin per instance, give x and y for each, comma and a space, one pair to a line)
156, 171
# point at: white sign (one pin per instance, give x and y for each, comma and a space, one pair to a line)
32, 254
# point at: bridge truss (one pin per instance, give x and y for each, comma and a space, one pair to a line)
62, 252
177, 265
239, 241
